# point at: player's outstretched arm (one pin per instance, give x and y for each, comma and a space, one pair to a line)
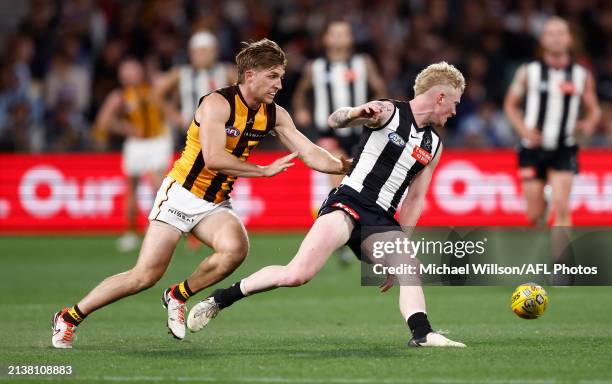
311, 154
412, 206
372, 114
212, 114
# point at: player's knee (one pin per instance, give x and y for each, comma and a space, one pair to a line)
141, 280
535, 213
233, 254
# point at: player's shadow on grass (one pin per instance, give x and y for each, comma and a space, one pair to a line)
193, 352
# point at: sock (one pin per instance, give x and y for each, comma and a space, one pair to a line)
181, 291
226, 297
419, 325
74, 315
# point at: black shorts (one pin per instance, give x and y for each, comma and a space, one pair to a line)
534, 163
367, 217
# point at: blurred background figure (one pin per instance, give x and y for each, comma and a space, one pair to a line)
135, 111
80, 42
340, 78
202, 75
554, 89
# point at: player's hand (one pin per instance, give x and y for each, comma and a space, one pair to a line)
129, 130
303, 117
533, 136
384, 287
371, 111
279, 165
346, 164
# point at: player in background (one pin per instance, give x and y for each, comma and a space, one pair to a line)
554, 90
195, 196
399, 151
135, 111
202, 75
340, 78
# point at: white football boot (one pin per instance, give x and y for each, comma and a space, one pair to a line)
176, 315
434, 339
63, 331
202, 313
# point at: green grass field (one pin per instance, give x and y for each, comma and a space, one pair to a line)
330, 331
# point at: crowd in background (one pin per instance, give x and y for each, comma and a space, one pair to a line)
59, 58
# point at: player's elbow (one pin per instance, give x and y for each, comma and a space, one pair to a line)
212, 161
331, 122
510, 105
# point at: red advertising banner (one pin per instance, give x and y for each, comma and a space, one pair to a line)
85, 193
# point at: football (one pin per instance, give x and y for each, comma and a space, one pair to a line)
529, 301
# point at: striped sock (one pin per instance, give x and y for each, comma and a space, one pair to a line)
181, 291
74, 315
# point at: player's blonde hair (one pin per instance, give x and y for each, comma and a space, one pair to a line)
441, 73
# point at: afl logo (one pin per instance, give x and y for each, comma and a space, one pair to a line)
232, 131
397, 139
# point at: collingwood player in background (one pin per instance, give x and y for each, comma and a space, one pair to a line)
554, 89
399, 150
339, 79
201, 76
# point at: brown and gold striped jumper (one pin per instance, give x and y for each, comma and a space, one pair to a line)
142, 112
244, 130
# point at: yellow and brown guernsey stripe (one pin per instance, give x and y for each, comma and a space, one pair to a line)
146, 117
255, 127
198, 164
252, 126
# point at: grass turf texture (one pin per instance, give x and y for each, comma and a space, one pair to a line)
331, 330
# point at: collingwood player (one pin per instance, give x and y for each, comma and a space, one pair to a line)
553, 90
339, 79
398, 151
201, 76
195, 196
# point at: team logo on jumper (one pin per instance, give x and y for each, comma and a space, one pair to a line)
421, 155
232, 131
397, 139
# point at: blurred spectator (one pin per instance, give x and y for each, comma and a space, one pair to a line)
13, 106
67, 83
73, 46
486, 127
